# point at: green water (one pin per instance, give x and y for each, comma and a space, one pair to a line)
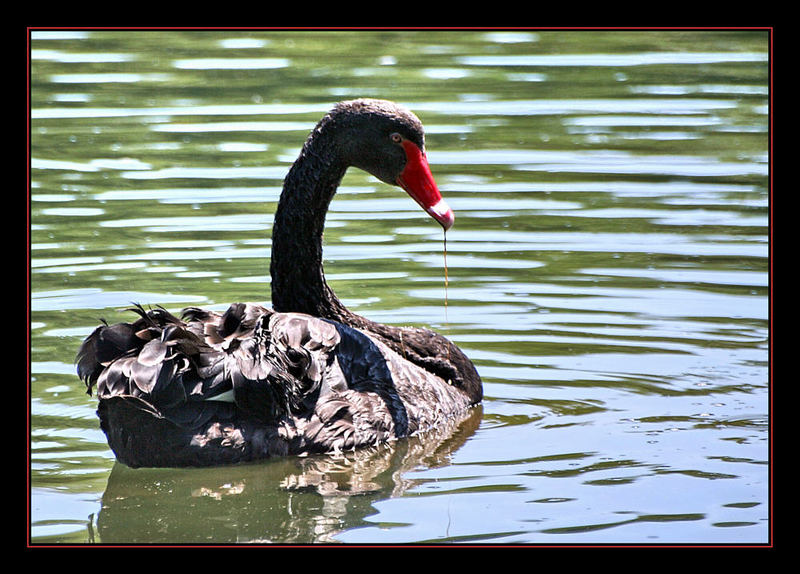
608, 275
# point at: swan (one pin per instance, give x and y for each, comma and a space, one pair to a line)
306, 375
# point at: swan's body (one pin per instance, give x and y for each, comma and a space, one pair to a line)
306, 376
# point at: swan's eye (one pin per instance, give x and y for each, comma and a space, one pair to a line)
396, 137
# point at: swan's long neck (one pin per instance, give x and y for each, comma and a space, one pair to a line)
298, 279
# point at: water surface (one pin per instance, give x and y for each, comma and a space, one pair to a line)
608, 275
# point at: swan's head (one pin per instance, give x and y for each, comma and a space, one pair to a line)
388, 141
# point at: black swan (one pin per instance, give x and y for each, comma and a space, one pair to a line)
308, 375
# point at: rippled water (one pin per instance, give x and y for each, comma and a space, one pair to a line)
608, 275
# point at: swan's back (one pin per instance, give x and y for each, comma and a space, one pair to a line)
216, 388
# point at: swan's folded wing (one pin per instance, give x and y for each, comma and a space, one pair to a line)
342, 421
268, 363
279, 367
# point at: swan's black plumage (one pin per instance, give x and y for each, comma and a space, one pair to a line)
306, 376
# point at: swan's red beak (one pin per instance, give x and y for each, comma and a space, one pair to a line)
418, 182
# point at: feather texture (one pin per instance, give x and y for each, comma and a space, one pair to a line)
300, 384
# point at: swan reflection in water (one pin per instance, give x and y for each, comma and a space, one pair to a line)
291, 500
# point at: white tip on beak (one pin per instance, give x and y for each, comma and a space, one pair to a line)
442, 213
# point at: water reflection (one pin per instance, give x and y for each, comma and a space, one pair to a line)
269, 502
